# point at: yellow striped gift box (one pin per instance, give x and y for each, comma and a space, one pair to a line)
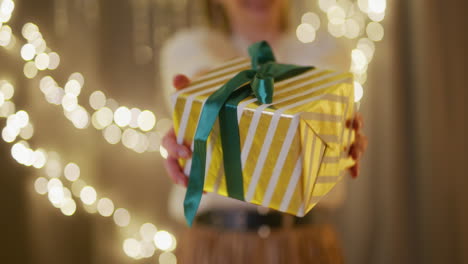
294, 150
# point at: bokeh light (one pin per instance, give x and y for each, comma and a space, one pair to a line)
122, 217
163, 240
105, 207
72, 171
305, 33
88, 195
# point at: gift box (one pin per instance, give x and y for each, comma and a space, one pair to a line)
282, 145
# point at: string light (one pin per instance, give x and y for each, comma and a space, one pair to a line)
61, 197
38, 58
348, 19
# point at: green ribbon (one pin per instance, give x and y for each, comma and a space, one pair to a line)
223, 103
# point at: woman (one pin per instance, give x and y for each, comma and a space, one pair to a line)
261, 236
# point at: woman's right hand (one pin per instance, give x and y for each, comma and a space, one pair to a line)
176, 151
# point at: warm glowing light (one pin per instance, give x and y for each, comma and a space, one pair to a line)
73, 87
167, 258
79, 117
377, 6
305, 33
53, 168
54, 61
68, 207
132, 248
77, 77
112, 104
122, 116
142, 144
28, 51
134, 120
112, 134
40, 45
337, 30
7, 89
42, 61
7, 6
104, 117
364, 5
54, 183
105, 207
88, 195
163, 152
40, 185
8, 108
121, 217
5, 36
8, 134
30, 70
130, 138
72, 171
77, 186
56, 195
97, 100
147, 249
326, 4
312, 19
90, 208
352, 28
2, 98
375, 31
163, 240
40, 159
30, 31
358, 61
146, 120
147, 232
69, 102
22, 118
367, 46
336, 15
358, 92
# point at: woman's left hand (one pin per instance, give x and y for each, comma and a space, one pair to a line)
360, 143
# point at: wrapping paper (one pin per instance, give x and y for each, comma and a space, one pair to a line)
294, 150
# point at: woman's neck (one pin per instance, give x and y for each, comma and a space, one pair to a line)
256, 32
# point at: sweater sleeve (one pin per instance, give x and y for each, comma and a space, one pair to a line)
188, 52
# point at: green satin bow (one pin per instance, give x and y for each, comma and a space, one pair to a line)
223, 103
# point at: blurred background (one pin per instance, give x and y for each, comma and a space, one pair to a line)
82, 113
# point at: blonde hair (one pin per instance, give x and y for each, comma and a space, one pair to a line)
217, 17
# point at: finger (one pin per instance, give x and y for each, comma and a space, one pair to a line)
354, 171
354, 152
174, 149
175, 171
361, 142
356, 123
180, 81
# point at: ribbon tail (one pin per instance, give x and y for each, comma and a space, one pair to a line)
230, 141
208, 117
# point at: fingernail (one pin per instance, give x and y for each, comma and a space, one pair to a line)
183, 153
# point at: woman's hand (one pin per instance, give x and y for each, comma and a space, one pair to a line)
360, 143
174, 150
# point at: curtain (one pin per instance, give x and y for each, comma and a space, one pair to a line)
410, 204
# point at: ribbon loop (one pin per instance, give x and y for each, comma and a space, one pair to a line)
261, 53
262, 86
